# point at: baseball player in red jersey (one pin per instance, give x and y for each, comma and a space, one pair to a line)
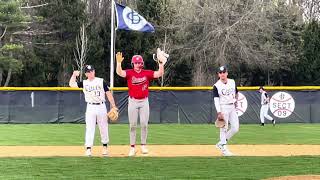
138, 104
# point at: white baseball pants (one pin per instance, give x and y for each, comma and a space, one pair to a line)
230, 116
96, 114
264, 113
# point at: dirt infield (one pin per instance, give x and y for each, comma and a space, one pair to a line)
162, 150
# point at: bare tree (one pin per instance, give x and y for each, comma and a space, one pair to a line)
231, 32
81, 49
33, 6
311, 9
63, 74
98, 11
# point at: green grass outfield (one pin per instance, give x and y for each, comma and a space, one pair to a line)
73, 134
158, 168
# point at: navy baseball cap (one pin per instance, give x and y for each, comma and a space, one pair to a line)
88, 68
222, 69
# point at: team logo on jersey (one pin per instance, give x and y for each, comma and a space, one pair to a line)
242, 104
227, 92
137, 81
282, 104
92, 88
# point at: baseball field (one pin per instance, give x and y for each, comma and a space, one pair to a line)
55, 151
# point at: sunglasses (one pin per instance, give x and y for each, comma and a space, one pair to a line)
222, 72
138, 63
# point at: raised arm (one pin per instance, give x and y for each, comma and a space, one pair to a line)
119, 70
72, 81
160, 71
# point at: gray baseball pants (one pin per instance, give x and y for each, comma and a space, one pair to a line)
138, 107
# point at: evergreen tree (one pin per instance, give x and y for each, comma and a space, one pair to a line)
12, 19
62, 19
307, 71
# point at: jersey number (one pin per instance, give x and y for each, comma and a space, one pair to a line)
97, 93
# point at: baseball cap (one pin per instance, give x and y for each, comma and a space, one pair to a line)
88, 68
222, 69
136, 58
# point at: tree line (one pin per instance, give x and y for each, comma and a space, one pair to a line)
262, 42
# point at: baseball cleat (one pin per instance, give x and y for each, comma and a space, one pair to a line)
227, 153
223, 148
220, 146
104, 151
262, 124
144, 149
274, 122
88, 152
132, 152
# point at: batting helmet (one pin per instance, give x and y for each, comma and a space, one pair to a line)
136, 58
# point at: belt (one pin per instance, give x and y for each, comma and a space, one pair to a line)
228, 104
96, 103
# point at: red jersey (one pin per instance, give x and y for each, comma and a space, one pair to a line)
138, 83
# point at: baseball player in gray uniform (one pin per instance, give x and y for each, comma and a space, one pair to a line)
95, 90
265, 107
225, 94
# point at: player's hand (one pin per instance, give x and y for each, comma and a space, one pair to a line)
119, 57
76, 73
220, 115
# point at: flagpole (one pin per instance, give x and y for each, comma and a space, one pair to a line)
112, 46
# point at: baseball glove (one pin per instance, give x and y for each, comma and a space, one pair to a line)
113, 114
162, 56
220, 123
119, 57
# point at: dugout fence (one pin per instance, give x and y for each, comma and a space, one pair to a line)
187, 105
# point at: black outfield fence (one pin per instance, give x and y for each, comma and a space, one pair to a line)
167, 105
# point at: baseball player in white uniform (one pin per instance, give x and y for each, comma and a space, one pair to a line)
95, 91
265, 107
225, 94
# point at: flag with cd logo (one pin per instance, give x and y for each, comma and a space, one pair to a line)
128, 19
